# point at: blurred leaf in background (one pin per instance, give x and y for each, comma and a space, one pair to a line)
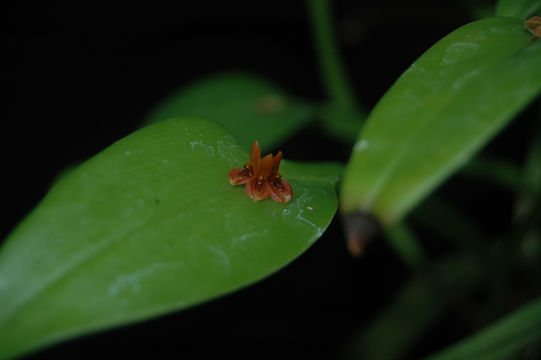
248, 106
517, 8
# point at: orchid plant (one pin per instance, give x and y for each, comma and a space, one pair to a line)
101, 249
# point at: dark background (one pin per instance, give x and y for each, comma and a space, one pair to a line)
82, 75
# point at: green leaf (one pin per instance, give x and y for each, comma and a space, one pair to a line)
247, 106
439, 113
517, 8
502, 339
150, 225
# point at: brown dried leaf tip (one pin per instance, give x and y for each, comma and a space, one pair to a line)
360, 228
533, 25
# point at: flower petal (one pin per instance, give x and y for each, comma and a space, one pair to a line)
238, 176
280, 191
255, 155
533, 25
265, 167
257, 190
275, 166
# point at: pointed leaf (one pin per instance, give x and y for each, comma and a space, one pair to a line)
150, 225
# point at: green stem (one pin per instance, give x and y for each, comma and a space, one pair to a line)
404, 242
331, 65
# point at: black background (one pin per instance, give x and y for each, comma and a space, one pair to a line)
82, 75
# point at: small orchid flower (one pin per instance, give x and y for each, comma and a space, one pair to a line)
533, 25
261, 177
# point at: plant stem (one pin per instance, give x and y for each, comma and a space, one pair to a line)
331, 65
406, 245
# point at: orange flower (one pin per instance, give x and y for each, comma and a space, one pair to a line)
261, 177
533, 25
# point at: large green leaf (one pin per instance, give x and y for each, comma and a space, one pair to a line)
517, 8
501, 340
448, 104
150, 225
247, 106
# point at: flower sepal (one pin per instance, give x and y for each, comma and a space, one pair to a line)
262, 178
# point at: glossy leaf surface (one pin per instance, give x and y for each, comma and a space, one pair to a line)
248, 106
150, 225
447, 105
